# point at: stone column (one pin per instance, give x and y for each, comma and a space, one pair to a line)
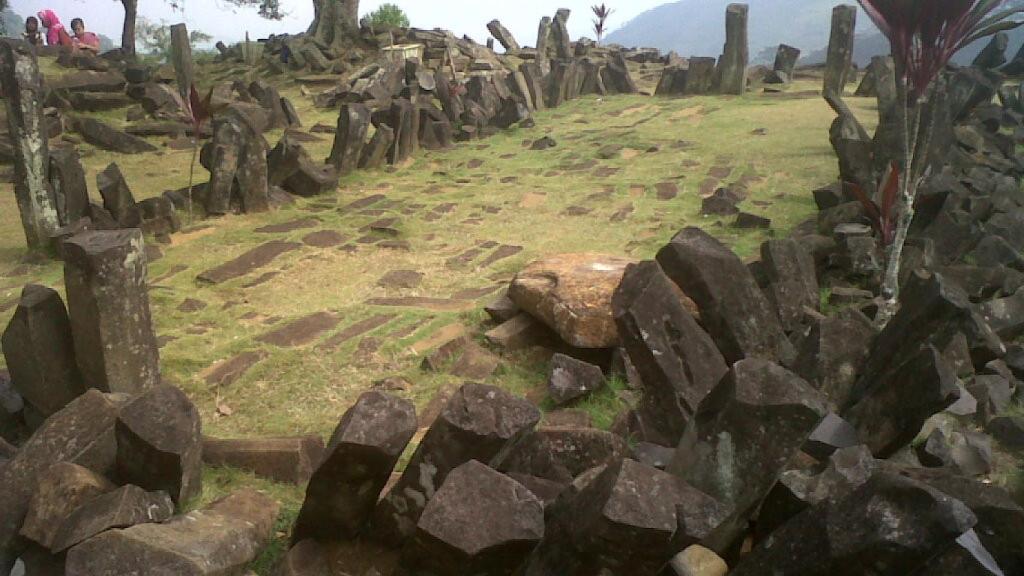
840, 48
563, 42
20, 82
181, 56
353, 125
105, 279
733, 67
543, 41
502, 34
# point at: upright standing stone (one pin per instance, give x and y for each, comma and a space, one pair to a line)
476, 424
785, 60
353, 124
543, 42
563, 42
616, 76
105, 279
20, 81
732, 69
67, 178
533, 75
401, 121
181, 56
117, 195
358, 462
840, 49
40, 353
238, 174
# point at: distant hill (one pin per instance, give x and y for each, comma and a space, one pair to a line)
697, 28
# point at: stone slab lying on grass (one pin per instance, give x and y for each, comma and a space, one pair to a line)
253, 259
290, 460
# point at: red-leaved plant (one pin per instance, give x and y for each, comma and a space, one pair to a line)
198, 113
924, 35
602, 13
882, 215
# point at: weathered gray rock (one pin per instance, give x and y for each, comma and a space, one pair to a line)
677, 361
154, 216
733, 309
792, 281
571, 379
67, 178
832, 354
891, 415
743, 435
358, 461
121, 508
732, 68
785, 60
401, 121
616, 76
628, 518
63, 489
831, 435
159, 443
220, 539
476, 424
353, 124
288, 460
376, 151
20, 81
238, 170
479, 522
890, 525
105, 280
39, 351
561, 39
993, 55
560, 454
107, 137
307, 558
117, 195
838, 65
82, 433
503, 36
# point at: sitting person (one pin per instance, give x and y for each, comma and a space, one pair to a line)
31, 33
56, 35
83, 40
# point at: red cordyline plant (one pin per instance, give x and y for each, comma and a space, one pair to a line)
924, 35
602, 13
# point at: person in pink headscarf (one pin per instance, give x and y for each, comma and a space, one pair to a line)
56, 35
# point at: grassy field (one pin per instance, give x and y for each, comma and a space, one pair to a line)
604, 188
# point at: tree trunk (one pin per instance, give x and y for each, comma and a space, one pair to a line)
316, 17
325, 23
128, 32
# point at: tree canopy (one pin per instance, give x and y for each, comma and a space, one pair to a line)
388, 16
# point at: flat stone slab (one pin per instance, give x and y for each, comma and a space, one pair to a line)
356, 330
225, 373
401, 279
301, 331
438, 304
666, 190
256, 258
324, 239
289, 226
503, 252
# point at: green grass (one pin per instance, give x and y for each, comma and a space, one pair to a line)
302, 390
604, 405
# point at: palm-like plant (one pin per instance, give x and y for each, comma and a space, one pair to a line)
601, 14
924, 35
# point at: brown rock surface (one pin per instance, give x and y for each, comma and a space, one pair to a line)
572, 294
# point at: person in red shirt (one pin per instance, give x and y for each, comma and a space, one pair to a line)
84, 40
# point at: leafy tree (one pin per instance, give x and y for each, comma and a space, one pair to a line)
156, 38
386, 17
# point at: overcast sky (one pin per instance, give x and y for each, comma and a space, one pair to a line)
228, 23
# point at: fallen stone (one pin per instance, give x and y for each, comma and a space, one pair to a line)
251, 260
832, 434
217, 540
108, 138
287, 460
480, 521
854, 535
476, 424
572, 294
121, 508
734, 460
571, 379
40, 353
831, 355
676, 359
792, 281
733, 309
306, 558
159, 443
502, 309
522, 331
63, 489
358, 461
560, 454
